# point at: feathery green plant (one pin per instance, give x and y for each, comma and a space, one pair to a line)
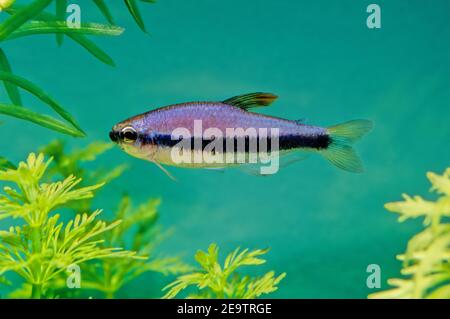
216, 281
426, 262
65, 163
139, 228
43, 247
140, 232
31, 19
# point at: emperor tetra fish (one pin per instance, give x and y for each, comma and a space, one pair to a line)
216, 135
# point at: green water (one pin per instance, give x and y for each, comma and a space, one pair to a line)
323, 225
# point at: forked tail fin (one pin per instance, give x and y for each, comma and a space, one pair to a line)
340, 152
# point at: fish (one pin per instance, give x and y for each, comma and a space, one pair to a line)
159, 135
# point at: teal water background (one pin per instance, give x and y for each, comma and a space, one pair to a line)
324, 226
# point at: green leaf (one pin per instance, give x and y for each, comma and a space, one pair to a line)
104, 10
90, 152
134, 10
213, 282
90, 46
42, 120
21, 16
46, 27
39, 93
167, 266
4, 163
110, 174
10, 88
61, 6
263, 285
244, 258
61, 192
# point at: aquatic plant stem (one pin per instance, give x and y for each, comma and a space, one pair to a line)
109, 292
36, 290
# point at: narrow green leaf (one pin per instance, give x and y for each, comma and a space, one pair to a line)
134, 10
39, 93
61, 6
104, 10
90, 46
148, 1
10, 88
4, 163
46, 27
40, 119
21, 16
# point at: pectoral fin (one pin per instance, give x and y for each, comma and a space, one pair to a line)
247, 101
165, 171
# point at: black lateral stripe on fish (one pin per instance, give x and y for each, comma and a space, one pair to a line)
286, 142
148, 135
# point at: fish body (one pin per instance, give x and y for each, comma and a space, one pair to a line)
151, 135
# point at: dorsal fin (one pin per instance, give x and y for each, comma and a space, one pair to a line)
250, 100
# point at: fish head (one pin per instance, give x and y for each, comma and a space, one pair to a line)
132, 137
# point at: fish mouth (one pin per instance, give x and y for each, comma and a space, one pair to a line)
114, 136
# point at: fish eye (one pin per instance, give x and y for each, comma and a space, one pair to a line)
129, 134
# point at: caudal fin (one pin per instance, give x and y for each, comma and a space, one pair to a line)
340, 152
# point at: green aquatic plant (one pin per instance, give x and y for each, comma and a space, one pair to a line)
4, 163
216, 281
74, 162
139, 230
41, 248
132, 6
31, 19
426, 262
